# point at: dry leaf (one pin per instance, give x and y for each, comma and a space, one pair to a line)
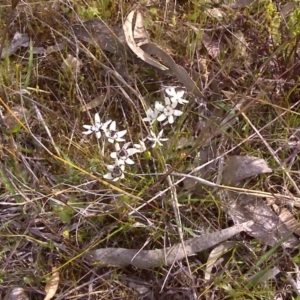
19, 40
239, 47
127, 27
287, 218
16, 293
215, 12
215, 255
240, 44
140, 288
212, 47
98, 33
242, 207
179, 72
238, 168
55, 48
52, 285
99, 100
267, 226
71, 63
139, 32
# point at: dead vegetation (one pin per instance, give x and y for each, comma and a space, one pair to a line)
213, 213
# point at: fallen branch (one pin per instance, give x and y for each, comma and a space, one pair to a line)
146, 259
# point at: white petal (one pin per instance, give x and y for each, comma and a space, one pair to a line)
117, 162
161, 118
160, 134
141, 147
113, 155
174, 104
88, 126
131, 151
152, 133
171, 119
154, 144
111, 140
96, 127
98, 135
147, 119
167, 101
180, 94
97, 118
183, 101
107, 133
117, 146
108, 176
126, 145
116, 178
129, 161
121, 133
150, 112
174, 99
110, 167
177, 113
156, 112
113, 126
87, 132
120, 139
104, 125
159, 106
171, 91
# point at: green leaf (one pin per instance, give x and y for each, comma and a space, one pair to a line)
65, 215
103, 3
16, 129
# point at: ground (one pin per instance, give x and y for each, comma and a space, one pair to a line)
236, 63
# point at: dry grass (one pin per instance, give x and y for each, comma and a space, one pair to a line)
54, 204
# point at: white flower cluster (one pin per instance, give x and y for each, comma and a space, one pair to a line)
167, 111
122, 154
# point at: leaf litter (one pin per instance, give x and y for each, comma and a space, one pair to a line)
52, 285
241, 207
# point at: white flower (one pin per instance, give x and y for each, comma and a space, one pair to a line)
116, 171
96, 127
141, 147
122, 154
176, 96
168, 111
114, 135
156, 139
151, 115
